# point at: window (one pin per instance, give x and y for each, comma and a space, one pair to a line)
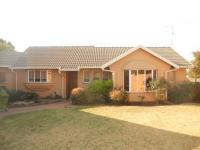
107, 75
96, 75
86, 75
148, 79
31, 76
43, 76
138, 80
2, 77
37, 76
126, 80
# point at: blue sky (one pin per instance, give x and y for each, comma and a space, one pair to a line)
102, 23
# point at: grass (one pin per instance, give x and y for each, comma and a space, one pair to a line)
103, 127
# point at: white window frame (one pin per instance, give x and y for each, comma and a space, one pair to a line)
40, 76
130, 83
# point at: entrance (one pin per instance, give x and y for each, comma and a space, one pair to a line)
72, 81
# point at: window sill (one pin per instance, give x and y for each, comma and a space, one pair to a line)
38, 83
142, 92
39, 86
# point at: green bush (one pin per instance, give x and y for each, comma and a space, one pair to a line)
78, 96
97, 92
159, 84
160, 87
21, 96
3, 99
118, 96
185, 92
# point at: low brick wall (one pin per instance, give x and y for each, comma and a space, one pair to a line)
150, 96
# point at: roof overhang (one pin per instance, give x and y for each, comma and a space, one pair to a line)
5, 66
22, 68
135, 49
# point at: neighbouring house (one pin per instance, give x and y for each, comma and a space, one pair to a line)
59, 69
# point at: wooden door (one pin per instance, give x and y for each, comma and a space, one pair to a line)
72, 81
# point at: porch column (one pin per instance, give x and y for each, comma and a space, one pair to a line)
113, 76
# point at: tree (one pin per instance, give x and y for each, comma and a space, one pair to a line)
6, 45
194, 71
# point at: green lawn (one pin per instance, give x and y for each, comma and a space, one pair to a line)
103, 127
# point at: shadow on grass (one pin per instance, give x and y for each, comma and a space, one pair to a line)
76, 129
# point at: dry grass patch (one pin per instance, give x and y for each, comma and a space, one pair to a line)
183, 119
103, 127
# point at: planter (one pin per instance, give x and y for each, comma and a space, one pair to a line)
32, 103
39, 87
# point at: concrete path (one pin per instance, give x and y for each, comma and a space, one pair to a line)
11, 111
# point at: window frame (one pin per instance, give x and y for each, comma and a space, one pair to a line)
34, 71
137, 70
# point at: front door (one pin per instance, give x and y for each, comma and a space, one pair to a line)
72, 81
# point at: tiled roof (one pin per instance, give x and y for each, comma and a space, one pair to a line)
8, 58
171, 55
74, 57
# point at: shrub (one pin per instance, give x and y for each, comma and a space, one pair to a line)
78, 96
118, 96
158, 84
22, 96
3, 99
196, 92
185, 92
98, 91
160, 87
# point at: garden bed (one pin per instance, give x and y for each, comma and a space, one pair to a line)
33, 103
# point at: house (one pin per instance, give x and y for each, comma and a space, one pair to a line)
59, 69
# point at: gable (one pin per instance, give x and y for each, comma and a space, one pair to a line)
140, 59
144, 49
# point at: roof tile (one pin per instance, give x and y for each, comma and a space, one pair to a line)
73, 57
